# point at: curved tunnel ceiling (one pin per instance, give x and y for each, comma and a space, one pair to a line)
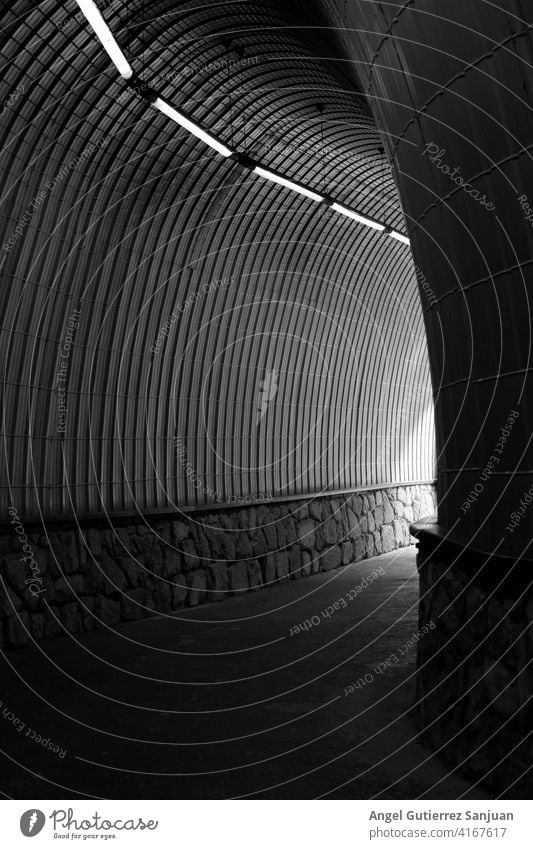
176, 331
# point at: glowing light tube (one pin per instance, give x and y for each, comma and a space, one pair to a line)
282, 181
104, 34
355, 215
184, 122
400, 237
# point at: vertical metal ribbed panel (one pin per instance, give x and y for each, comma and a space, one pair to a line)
274, 298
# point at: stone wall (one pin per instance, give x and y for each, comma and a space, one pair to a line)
475, 668
65, 578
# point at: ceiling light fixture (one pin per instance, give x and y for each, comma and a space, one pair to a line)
400, 237
105, 36
349, 213
282, 181
193, 128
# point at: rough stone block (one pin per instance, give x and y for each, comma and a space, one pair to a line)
346, 553
387, 538
115, 579
255, 577
271, 534
359, 548
179, 591
245, 518
331, 533
190, 557
201, 542
399, 533
154, 559
122, 539
306, 534
67, 589
223, 543
371, 545
378, 546
180, 531
93, 542
243, 546
301, 511
172, 562
196, 582
269, 564
320, 539
133, 571
70, 617
306, 564
15, 571
94, 578
402, 494
69, 553
351, 520
37, 621
216, 581
259, 544
294, 554
316, 509
162, 596
357, 505
330, 559
17, 629
238, 578
107, 610
85, 610
164, 532
282, 565
286, 532
388, 512
398, 508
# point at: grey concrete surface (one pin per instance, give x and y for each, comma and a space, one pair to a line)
221, 702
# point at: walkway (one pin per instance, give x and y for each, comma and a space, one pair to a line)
220, 701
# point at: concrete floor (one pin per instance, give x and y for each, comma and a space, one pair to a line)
219, 701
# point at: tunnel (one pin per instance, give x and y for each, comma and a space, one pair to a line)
266, 328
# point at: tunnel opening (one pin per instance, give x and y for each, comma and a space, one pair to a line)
224, 372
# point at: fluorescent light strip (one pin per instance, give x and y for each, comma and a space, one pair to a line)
349, 213
104, 34
400, 237
106, 38
184, 122
282, 181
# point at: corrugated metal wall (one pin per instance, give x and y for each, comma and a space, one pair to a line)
213, 335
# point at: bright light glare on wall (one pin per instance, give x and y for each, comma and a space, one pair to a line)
356, 217
282, 181
104, 34
184, 122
